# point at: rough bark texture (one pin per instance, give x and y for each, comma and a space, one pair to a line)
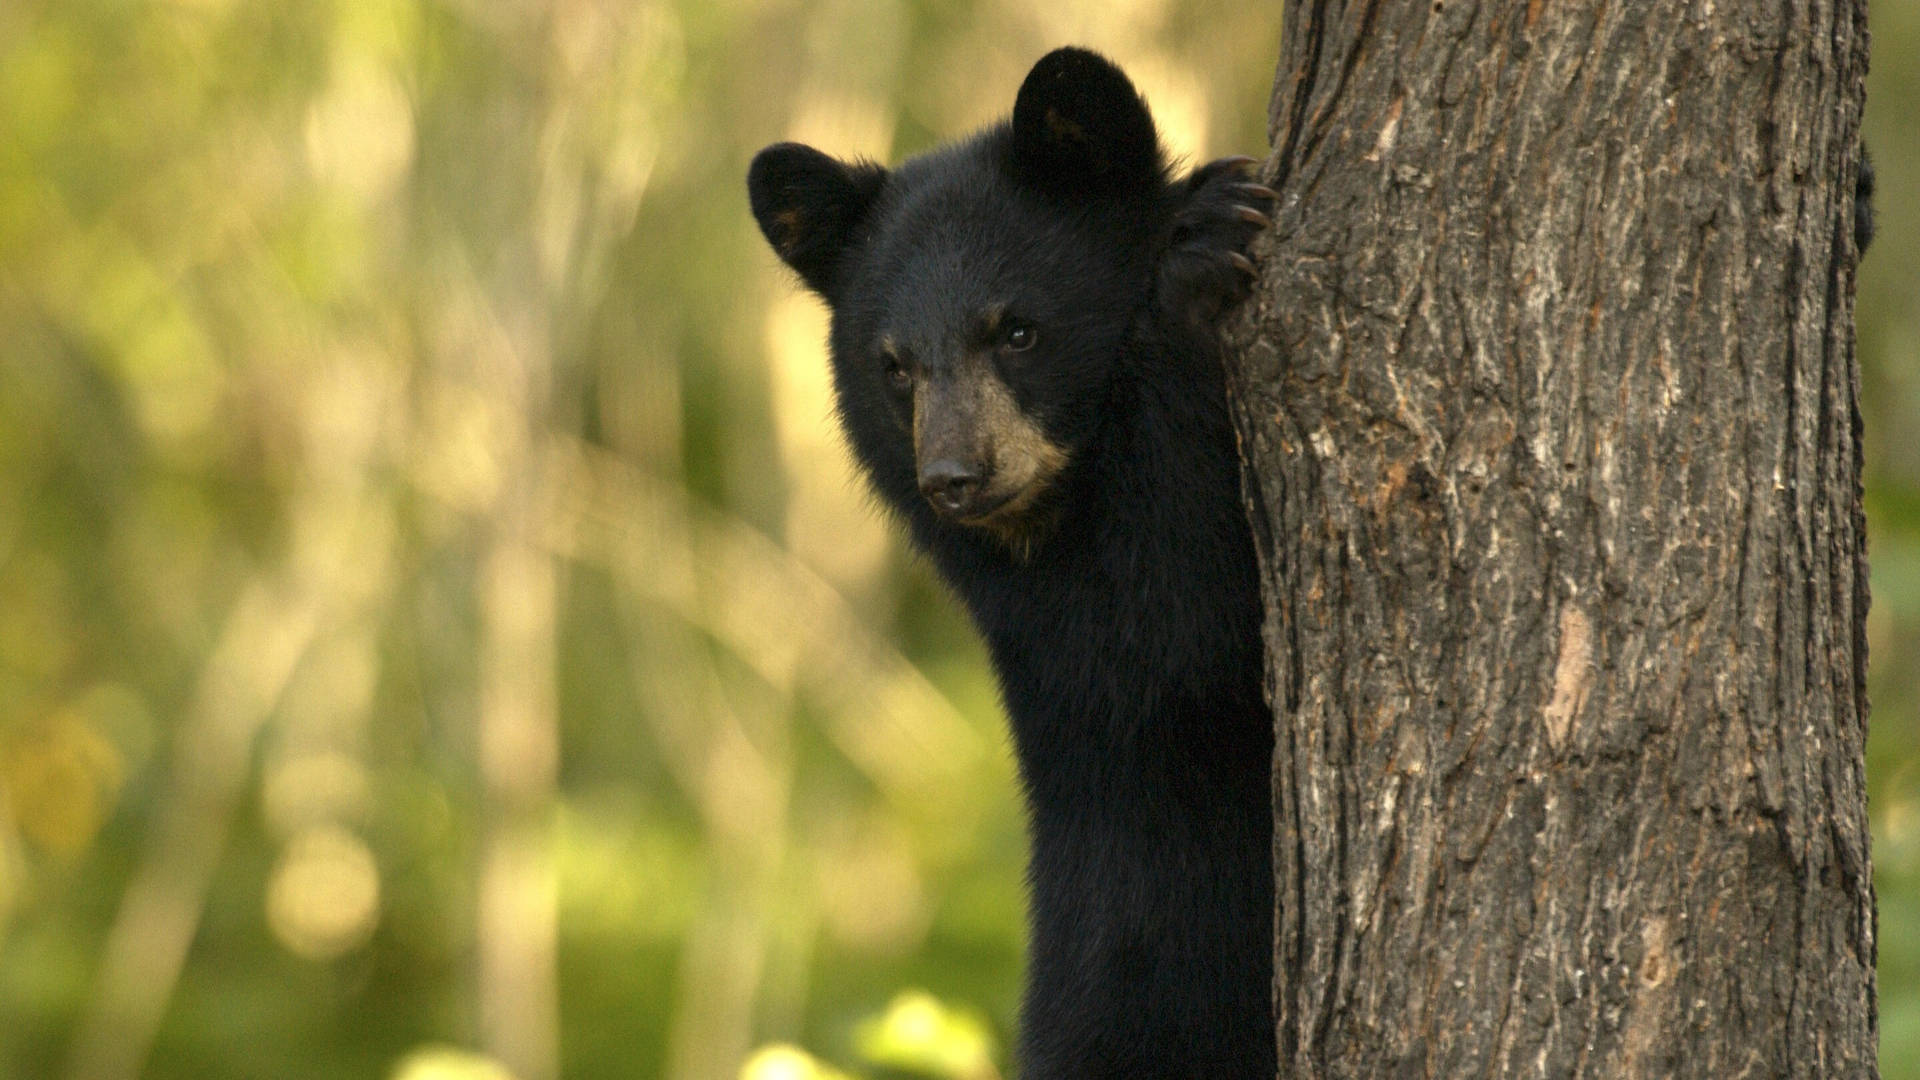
1549, 401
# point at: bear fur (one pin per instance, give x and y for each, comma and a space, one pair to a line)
1027, 368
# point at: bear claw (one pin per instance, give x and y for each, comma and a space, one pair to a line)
1207, 268
1249, 214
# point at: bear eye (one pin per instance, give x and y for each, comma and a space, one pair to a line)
899, 379
1019, 338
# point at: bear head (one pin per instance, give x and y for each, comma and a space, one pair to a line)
982, 295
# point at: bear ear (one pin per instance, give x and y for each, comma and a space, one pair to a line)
808, 205
1079, 126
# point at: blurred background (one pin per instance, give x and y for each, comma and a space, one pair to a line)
440, 633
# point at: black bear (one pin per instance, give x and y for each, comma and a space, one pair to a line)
1027, 367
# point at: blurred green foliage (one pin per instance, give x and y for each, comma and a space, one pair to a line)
1888, 309
438, 625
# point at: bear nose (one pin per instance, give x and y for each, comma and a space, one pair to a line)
950, 484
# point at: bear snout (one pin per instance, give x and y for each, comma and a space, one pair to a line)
953, 486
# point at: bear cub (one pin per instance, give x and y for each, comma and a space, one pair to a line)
1027, 368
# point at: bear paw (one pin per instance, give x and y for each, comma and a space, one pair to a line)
1205, 270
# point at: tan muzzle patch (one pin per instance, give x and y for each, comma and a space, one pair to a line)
972, 415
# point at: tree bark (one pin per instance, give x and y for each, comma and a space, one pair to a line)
1549, 403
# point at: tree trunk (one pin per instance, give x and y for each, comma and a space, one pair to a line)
1549, 401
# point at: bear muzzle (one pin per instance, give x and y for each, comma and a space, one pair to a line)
954, 487
979, 459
